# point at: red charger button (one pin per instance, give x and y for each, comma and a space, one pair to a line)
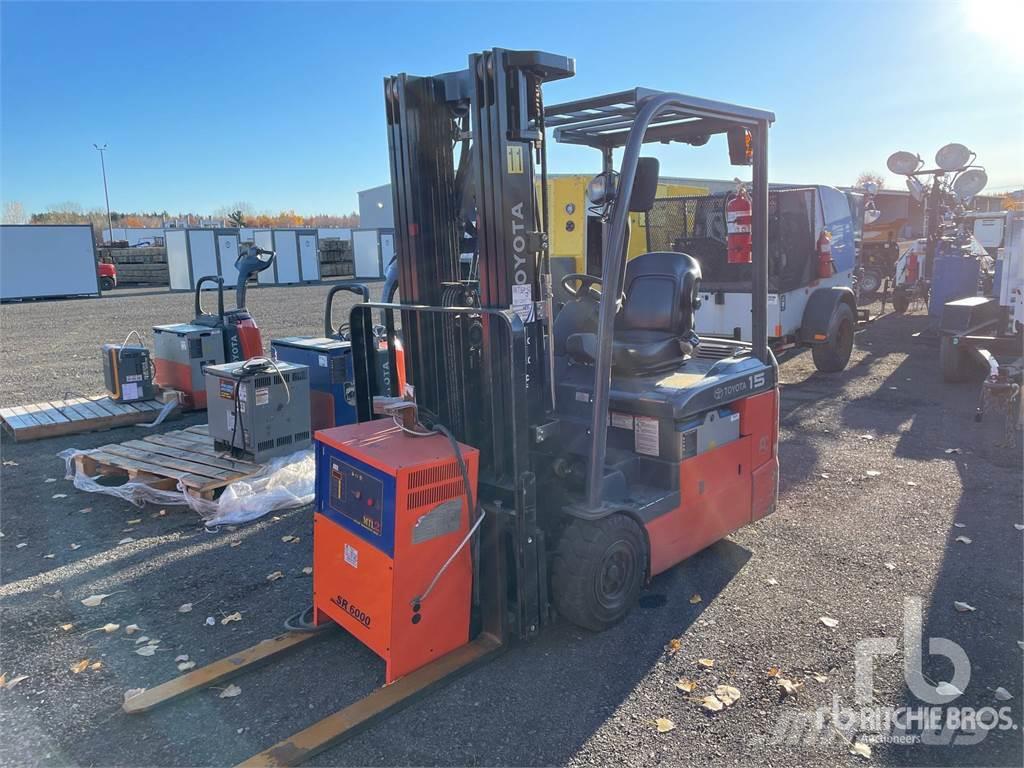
369, 502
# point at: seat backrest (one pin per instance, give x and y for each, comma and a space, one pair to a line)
661, 293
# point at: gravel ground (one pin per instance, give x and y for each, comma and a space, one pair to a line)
843, 544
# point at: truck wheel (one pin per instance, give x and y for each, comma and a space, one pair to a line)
870, 281
106, 284
900, 301
954, 361
598, 571
833, 355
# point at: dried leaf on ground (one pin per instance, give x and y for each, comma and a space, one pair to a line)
963, 539
146, 650
210, 621
891, 566
308, 570
50, 480
236, 616
131, 629
125, 540
686, 685
49, 556
76, 546
824, 475
820, 678
235, 544
695, 598
1019, 526
289, 539
1002, 694
727, 694
136, 521
663, 724
67, 627
872, 473
867, 437
275, 576
707, 663
959, 525
963, 607
828, 621
947, 689
14, 681
142, 640
774, 671
185, 666
80, 666
773, 582
953, 450
182, 657
184, 607
60, 495
230, 692
108, 628
93, 600
21, 546
95, 665
787, 687
674, 645
861, 749
712, 704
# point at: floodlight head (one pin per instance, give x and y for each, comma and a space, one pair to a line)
916, 188
903, 163
969, 183
953, 157
871, 187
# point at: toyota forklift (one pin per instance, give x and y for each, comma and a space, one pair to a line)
533, 465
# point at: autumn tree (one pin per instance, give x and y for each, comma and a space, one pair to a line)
867, 177
14, 213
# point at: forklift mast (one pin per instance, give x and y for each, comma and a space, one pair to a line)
482, 207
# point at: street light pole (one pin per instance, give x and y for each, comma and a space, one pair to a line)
106, 196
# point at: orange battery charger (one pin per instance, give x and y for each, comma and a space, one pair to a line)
391, 509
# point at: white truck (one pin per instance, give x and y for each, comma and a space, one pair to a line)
811, 301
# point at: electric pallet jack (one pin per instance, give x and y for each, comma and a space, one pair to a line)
183, 350
536, 464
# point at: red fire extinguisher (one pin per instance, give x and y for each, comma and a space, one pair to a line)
826, 267
738, 214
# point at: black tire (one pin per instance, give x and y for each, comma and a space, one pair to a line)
598, 571
833, 355
900, 301
870, 281
954, 361
106, 284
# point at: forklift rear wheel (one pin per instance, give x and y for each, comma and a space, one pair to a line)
834, 354
598, 570
106, 284
954, 361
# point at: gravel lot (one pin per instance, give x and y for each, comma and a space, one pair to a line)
843, 544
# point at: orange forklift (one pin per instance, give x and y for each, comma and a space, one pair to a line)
535, 464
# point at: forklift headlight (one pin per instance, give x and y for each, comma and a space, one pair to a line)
601, 189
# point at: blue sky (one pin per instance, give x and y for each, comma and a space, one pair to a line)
281, 105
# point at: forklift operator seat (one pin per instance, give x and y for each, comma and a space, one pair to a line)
654, 328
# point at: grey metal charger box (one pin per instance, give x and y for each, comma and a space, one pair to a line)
258, 413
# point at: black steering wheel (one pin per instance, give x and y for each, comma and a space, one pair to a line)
579, 285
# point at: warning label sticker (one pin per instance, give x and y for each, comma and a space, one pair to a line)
322, 359
226, 390
522, 302
351, 555
262, 395
645, 436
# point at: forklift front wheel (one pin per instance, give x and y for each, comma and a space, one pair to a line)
833, 355
598, 570
106, 283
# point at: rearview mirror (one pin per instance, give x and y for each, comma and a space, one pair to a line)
645, 185
741, 146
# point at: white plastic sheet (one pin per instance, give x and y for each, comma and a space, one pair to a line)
284, 483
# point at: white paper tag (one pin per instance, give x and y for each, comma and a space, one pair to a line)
351, 555
645, 436
262, 395
130, 391
522, 302
231, 420
622, 420
583, 397
322, 359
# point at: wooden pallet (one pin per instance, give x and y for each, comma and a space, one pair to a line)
162, 461
75, 415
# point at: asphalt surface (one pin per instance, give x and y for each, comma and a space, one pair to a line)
845, 543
